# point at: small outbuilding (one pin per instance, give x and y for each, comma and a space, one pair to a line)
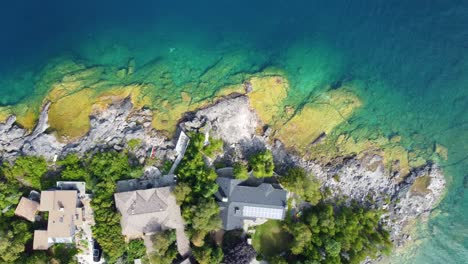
27, 209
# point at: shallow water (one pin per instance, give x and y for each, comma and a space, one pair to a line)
409, 57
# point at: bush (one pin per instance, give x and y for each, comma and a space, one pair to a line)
136, 249
64, 253
215, 146
164, 247
208, 255
262, 164
134, 143
241, 253
182, 193
240, 171
305, 186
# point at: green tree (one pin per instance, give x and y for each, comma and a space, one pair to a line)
106, 168
64, 254
302, 237
193, 171
204, 217
36, 257
305, 186
215, 146
136, 249
208, 254
182, 193
28, 170
113, 166
262, 164
240, 171
164, 247
73, 169
351, 231
14, 234
9, 197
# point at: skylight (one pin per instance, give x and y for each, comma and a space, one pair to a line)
261, 212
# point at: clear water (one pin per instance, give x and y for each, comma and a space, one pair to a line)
410, 56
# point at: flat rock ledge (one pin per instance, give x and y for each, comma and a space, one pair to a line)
237, 124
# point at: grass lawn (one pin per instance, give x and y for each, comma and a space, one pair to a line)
271, 239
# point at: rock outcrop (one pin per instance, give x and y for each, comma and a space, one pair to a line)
109, 128
354, 179
237, 124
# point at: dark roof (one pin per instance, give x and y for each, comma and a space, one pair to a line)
241, 198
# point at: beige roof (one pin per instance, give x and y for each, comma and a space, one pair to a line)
63, 212
59, 200
27, 209
150, 211
40, 240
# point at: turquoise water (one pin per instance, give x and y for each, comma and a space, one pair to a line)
409, 57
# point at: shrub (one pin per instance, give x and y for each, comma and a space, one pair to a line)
240, 171
305, 186
136, 249
134, 143
262, 164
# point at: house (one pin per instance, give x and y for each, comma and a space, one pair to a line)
243, 204
27, 209
146, 212
65, 214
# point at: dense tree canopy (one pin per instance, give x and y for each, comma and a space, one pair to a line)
343, 234
305, 186
73, 169
195, 190
262, 164
14, 234
105, 169
193, 170
9, 197
28, 170
36, 257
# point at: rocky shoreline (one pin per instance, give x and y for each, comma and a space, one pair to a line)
233, 120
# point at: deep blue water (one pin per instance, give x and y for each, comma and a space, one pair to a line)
412, 57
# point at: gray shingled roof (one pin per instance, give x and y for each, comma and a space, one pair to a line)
240, 195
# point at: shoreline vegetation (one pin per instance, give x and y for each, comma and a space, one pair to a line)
319, 129
325, 232
77, 91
